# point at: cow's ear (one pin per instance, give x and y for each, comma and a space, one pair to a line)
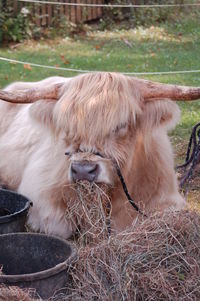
157, 114
42, 112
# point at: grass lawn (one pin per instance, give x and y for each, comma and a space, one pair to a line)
168, 47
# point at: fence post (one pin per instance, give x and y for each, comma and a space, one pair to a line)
78, 13
73, 12
49, 12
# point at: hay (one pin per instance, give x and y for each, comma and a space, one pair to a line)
13, 293
89, 210
1, 268
159, 259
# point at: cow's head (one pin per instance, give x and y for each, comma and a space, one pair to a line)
98, 117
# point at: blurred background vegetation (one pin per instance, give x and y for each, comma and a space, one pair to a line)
19, 20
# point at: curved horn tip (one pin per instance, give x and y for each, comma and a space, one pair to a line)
154, 90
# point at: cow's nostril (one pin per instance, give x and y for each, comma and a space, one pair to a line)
93, 170
73, 170
84, 171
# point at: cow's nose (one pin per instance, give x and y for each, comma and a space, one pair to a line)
84, 171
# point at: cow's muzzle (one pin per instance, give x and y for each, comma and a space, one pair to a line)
89, 171
84, 170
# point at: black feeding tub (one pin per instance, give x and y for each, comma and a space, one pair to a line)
13, 211
39, 261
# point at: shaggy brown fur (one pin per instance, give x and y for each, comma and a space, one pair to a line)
104, 113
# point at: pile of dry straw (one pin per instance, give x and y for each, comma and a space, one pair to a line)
157, 259
15, 294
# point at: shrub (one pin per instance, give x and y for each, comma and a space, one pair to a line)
14, 28
142, 16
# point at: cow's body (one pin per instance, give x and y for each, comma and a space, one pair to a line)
33, 143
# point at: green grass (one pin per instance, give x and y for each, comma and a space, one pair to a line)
166, 47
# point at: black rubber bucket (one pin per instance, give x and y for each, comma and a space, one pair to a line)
13, 211
39, 261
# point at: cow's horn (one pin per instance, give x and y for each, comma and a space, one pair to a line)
31, 95
153, 90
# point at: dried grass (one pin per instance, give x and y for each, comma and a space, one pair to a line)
1, 268
158, 258
14, 293
89, 209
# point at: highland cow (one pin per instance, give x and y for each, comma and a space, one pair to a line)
98, 120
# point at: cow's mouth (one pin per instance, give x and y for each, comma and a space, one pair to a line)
89, 171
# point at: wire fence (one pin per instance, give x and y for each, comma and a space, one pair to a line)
87, 71
112, 5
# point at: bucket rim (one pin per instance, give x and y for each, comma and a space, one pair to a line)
45, 273
17, 214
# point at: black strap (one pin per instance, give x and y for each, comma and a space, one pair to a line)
192, 156
126, 190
